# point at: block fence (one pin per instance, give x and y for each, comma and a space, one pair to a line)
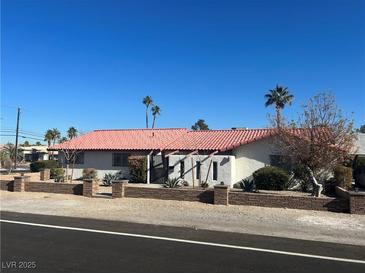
347, 201
222, 195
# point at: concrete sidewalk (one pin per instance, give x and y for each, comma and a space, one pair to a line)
288, 223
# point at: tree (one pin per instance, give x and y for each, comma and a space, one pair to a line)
38, 143
51, 136
155, 111
361, 129
26, 144
200, 125
70, 155
63, 139
147, 101
321, 139
279, 97
48, 137
72, 133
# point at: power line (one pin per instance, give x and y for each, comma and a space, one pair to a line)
21, 136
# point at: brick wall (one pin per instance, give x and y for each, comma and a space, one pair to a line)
357, 203
49, 187
270, 200
191, 195
7, 185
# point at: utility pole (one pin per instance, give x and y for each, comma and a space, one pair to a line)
16, 138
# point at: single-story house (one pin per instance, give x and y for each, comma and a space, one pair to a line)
212, 156
36, 153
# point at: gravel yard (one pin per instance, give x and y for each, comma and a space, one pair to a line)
290, 223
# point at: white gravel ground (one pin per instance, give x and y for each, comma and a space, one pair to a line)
289, 223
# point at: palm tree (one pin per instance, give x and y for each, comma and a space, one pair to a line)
155, 111
56, 135
279, 97
72, 133
48, 137
147, 101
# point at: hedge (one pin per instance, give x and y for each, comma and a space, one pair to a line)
271, 178
41, 165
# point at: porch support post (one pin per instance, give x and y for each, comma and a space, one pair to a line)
148, 179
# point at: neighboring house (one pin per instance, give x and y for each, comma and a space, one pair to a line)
213, 156
36, 153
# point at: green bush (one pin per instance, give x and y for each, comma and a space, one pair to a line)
343, 176
41, 165
138, 169
56, 172
271, 178
90, 173
329, 186
302, 174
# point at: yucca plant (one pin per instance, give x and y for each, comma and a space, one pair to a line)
172, 183
248, 185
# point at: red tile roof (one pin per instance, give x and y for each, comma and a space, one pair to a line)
169, 139
164, 139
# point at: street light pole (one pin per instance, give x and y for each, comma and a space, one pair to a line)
16, 138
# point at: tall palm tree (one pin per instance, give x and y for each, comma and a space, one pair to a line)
279, 96
147, 101
48, 137
155, 111
56, 135
72, 133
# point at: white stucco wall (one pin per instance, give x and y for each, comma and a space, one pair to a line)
251, 157
225, 168
101, 161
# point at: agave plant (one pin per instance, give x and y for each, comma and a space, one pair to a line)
109, 178
172, 183
248, 185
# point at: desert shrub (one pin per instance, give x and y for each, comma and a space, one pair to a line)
343, 176
271, 178
301, 174
109, 178
7, 164
56, 172
172, 183
41, 165
184, 183
247, 185
90, 173
138, 169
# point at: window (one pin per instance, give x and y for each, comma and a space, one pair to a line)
120, 159
182, 169
198, 165
215, 171
79, 160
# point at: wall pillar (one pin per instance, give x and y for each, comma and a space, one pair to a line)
45, 174
90, 187
118, 188
148, 177
19, 183
357, 202
221, 194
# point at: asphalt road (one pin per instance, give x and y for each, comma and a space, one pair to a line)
33, 248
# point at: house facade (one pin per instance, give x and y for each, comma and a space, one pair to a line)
211, 156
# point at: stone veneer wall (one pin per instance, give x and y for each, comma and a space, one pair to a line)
50, 187
7, 185
192, 195
272, 200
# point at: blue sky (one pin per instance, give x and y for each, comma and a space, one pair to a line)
89, 63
